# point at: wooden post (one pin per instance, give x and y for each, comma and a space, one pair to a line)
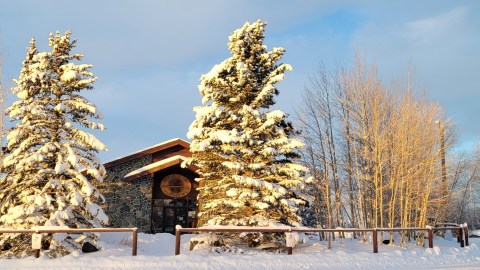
177, 239
374, 240
329, 240
134, 241
430, 237
442, 157
460, 237
36, 243
457, 234
289, 241
465, 230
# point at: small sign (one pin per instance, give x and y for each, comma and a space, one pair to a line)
290, 239
36, 241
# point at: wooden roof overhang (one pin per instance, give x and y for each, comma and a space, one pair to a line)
158, 166
147, 151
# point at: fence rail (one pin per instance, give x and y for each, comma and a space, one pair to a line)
46, 230
460, 230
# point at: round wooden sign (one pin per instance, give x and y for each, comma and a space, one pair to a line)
175, 185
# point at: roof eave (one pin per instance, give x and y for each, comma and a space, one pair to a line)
150, 150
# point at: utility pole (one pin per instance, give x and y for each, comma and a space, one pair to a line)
442, 155
3, 95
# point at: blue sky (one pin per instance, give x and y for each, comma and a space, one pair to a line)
149, 55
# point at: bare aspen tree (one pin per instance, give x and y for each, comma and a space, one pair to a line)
375, 149
466, 188
359, 100
348, 161
319, 119
312, 119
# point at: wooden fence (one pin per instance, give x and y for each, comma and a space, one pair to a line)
73, 231
460, 230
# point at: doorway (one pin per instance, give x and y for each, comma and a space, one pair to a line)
167, 213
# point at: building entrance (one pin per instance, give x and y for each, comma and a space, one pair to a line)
167, 213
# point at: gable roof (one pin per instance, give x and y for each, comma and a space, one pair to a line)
157, 166
150, 150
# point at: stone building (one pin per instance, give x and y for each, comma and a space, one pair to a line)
150, 190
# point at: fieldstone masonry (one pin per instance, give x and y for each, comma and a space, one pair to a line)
128, 203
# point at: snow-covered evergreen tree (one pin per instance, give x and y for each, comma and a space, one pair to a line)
51, 163
245, 153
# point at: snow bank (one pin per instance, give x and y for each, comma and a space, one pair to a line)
156, 252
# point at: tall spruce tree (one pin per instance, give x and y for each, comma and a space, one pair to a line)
51, 163
245, 153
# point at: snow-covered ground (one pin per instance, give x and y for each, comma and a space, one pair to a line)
157, 252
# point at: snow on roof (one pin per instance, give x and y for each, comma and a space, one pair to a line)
148, 150
156, 166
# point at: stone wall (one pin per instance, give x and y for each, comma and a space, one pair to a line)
128, 203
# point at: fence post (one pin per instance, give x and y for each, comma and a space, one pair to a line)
374, 240
134, 241
289, 241
460, 237
457, 234
328, 235
430, 237
465, 231
36, 243
177, 239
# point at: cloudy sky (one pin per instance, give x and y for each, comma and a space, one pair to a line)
149, 55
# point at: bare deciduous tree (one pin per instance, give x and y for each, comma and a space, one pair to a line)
374, 150
465, 185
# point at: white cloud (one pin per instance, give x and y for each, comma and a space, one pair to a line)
442, 46
435, 30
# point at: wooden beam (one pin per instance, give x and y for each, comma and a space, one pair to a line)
147, 151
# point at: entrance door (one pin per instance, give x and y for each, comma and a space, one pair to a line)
166, 214
173, 216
